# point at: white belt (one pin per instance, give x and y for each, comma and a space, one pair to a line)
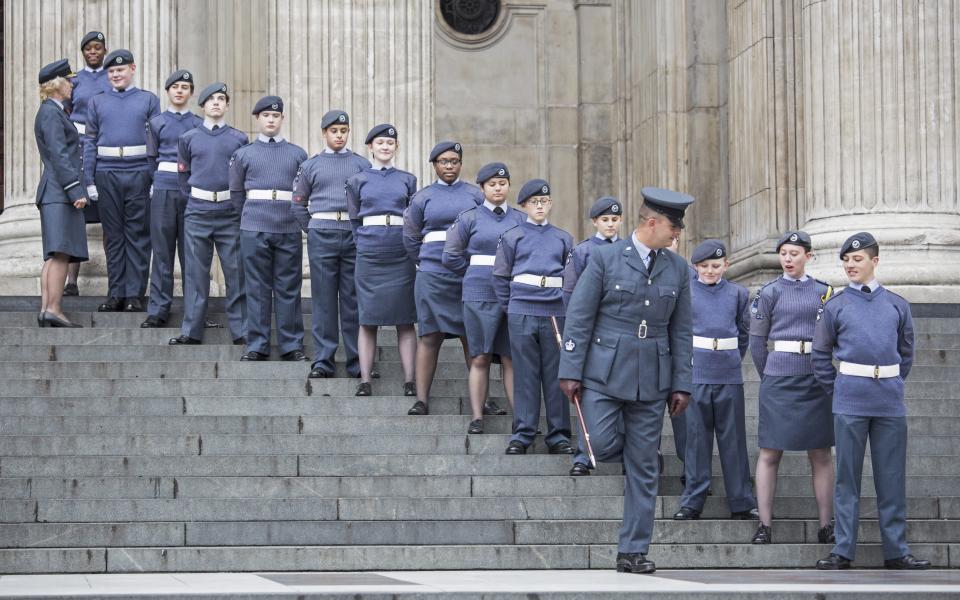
435, 236
705, 343
210, 196
81, 128
483, 260
331, 216
871, 371
387, 220
539, 280
269, 195
167, 166
121, 151
794, 347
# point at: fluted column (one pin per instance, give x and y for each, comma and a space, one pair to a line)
881, 139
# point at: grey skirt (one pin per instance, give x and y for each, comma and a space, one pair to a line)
439, 308
795, 414
486, 326
385, 290
64, 231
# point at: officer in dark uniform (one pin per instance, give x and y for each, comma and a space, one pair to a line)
627, 350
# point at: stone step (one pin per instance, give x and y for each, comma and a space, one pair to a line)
429, 557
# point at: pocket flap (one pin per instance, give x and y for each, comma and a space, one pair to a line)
666, 291
629, 287
606, 340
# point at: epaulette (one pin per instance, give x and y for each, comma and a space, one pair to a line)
826, 296
755, 305
830, 295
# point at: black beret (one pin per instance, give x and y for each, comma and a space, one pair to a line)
607, 205
667, 202
217, 87
382, 130
178, 76
60, 68
491, 170
118, 58
858, 241
443, 147
334, 117
274, 103
93, 36
534, 187
797, 238
708, 250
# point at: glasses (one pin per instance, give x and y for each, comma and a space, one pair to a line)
540, 202
449, 162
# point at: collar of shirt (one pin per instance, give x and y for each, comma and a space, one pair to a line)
789, 278
266, 138
379, 167
89, 70
873, 283
710, 284
178, 112
615, 238
442, 182
642, 248
532, 222
327, 150
491, 205
60, 104
209, 124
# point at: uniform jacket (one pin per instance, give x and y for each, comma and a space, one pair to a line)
60, 152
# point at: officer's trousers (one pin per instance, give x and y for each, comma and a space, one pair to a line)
272, 268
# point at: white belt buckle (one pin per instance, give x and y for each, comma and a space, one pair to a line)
642, 330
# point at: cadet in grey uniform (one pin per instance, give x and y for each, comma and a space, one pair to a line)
627, 349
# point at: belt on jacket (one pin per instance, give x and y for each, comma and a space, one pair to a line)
483, 260
871, 371
387, 220
210, 196
705, 343
642, 331
81, 128
167, 166
435, 236
538, 280
121, 151
793, 347
339, 215
269, 195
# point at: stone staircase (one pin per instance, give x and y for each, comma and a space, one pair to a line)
119, 453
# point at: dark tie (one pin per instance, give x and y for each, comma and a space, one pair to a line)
498, 211
865, 289
609, 240
216, 127
653, 260
273, 141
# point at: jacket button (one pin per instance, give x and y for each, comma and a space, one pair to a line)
616, 287
646, 303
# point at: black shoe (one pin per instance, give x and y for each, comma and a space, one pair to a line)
561, 447
240, 341
111, 305
409, 388
41, 321
826, 535
908, 562
687, 514
515, 447
764, 535
834, 562
153, 321
374, 374
295, 356
208, 324
492, 408
364, 389
745, 515
254, 355
71, 289
660, 463
318, 373
476, 426
634, 563
579, 470
683, 481
55, 321
133, 305
419, 408
183, 340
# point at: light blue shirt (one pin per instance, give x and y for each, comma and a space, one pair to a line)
643, 249
265, 138
789, 278
873, 285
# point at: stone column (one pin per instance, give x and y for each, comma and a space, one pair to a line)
880, 139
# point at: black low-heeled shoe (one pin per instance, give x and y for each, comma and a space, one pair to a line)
764, 535
41, 321
364, 389
55, 321
419, 408
833, 562
476, 426
579, 470
409, 388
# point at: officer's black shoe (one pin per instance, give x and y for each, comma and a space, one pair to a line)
908, 562
295, 355
515, 447
153, 321
826, 535
579, 470
419, 408
364, 389
318, 373
183, 340
409, 388
745, 515
764, 535
492, 408
561, 447
240, 341
133, 305
687, 514
634, 563
476, 426
71, 289
111, 305
208, 324
254, 355
833, 562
